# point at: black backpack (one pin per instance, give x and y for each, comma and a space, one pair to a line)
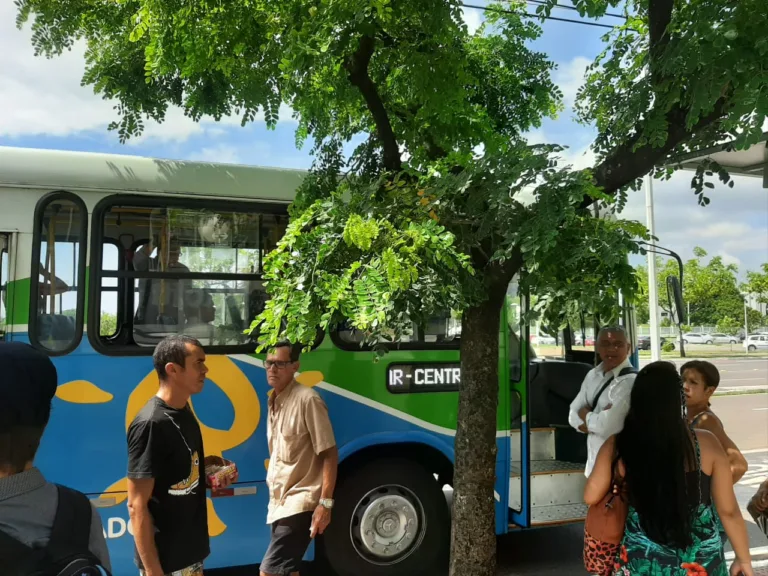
66, 553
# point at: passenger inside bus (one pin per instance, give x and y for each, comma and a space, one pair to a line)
199, 312
159, 299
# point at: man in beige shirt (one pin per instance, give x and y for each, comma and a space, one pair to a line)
303, 461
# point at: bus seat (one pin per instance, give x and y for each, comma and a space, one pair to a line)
55, 331
553, 386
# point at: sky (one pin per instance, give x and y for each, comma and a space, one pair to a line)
44, 106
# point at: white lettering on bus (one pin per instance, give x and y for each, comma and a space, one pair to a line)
116, 527
396, 377
417, 376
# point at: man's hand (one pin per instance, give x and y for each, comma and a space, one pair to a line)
225, 481
320, 521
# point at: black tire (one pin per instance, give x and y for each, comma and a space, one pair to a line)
685, 341
733, 341
752, 348
709, 342
428, 558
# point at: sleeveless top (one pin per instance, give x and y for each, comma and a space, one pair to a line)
641, 556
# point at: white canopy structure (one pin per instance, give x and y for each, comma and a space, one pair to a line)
750, 162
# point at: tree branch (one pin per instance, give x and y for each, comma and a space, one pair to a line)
357, 67
659, 17
623, 164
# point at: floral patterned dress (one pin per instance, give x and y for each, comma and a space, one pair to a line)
641, 556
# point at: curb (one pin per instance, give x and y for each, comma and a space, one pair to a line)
742, 391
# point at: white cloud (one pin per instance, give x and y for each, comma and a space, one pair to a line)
44, 97
734, 225
473, 18
569, 77
579, 158
722, 230
729, 258
224, 153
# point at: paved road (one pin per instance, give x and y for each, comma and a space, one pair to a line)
745, 419
735, 373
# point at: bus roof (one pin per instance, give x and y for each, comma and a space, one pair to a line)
88, 171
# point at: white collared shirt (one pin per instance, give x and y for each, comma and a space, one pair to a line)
602, 422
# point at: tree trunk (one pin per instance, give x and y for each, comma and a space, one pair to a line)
473, 538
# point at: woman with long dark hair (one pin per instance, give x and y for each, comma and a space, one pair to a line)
673, 476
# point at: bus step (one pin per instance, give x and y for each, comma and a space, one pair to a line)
549, 467
561, 514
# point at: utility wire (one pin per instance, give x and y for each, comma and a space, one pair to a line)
566, 7
526, 15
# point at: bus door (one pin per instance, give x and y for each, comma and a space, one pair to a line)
515, 338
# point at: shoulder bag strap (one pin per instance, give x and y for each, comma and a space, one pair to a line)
600, 393
14, 555
71, 529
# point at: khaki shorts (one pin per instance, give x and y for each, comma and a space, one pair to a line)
194, 570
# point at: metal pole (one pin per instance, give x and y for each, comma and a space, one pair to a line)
746, 325
653, 298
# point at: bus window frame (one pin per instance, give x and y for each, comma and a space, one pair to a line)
34, 274
129, 276
117, 289
342, 344
4, 257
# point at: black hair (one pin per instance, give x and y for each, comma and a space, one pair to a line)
708, 371
657, 449
27, 387
295, 349
172, 349
18, 446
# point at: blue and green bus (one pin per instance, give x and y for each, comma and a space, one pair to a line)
103, 255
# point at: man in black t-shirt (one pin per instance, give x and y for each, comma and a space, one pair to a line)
166, 469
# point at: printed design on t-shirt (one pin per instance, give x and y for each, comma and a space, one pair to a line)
186, 486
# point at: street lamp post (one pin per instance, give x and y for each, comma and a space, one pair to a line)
746, 322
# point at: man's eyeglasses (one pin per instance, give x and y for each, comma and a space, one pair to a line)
276, 364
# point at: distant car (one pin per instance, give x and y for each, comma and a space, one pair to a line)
697, 338
756, 342
721, 338
644, 342
542, 340
579, 341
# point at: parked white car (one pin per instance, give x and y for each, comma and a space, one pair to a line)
756, 342
721, 338
698, 338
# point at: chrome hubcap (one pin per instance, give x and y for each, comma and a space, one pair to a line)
387, 525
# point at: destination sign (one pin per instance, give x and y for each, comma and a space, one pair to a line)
413, 378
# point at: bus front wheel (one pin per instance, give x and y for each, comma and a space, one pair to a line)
391, 518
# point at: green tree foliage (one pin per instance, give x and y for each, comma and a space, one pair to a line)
416, 220
107, 324
757, 284
729, 325
711, 289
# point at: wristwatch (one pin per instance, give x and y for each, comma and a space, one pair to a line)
326, 503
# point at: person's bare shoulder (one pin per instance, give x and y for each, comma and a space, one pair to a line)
710, 447
709, 421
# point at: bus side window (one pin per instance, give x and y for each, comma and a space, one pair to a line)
58, 272
179, 266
